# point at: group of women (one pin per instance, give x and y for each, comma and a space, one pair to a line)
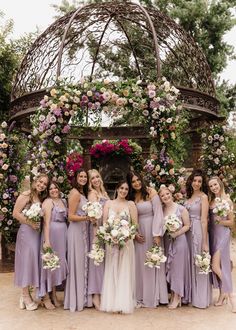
122, 282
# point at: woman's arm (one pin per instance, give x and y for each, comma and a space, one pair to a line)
158, 219
47, 208
105, 211
133, 212
20, 204
230, 217
186, 224
204, 222
73, 202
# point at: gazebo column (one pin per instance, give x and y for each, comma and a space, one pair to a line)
86, 145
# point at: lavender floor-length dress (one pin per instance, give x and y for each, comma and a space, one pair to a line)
151, 286
76, 291
27, 257
58, 240
178, 264
96, 273
220, 241
201, 286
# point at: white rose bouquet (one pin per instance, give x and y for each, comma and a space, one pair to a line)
203, 262
93, 209
117, 230
34, 213
154, 257
221, 208
172, 223
97, 254
50, 259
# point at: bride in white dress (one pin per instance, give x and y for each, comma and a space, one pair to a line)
118, 291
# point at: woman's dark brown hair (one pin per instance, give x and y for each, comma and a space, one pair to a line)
119, 184
132, 192
189, 188
82, 189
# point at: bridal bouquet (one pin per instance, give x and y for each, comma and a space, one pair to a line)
154, 257
172, 223
33, 213
117, 230
93, 209
97, 254
50, 259
221, 208
203, 262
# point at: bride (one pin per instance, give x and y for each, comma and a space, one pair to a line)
118, 291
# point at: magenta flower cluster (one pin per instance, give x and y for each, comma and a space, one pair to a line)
105, 148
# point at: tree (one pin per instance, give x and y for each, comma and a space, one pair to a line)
11, 54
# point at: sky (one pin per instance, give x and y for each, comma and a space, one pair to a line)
27, 14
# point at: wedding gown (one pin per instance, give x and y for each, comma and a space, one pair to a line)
118, 291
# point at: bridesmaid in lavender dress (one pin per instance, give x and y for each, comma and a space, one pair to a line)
97, 193
54, 236
76, 292
28, 242
198, 206
178, 258
151, 286
220, 235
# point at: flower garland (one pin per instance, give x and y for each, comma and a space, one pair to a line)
9, 178
117, 147
74, 161
159, 170
216, 158
155, 105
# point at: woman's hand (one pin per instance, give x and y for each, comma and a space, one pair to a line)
92, 220
157, 240
139, 238
46, 245
174, 235
205, 247
34, 225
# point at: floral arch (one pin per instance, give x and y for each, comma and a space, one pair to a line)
51, 101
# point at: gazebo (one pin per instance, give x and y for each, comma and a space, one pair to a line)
119, 40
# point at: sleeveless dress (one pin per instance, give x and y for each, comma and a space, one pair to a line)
178, 264
27, 256
96, 273
201, 286
76, 291
151, 286
58, 240
118, 290
220, 241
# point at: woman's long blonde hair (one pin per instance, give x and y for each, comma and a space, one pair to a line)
212, 196
33, 191
90, 187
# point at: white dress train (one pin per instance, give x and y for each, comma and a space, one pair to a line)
118, 291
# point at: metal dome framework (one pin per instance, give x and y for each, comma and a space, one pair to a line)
100, 40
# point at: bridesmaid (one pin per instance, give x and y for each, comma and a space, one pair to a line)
178, 258
220, 235
76, 292
54, 236
28, 242
97, 193
151, 286
198, 206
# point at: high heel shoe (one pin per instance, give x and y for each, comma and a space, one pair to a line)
96, 302
175, 303
232, 299
223, 299
46, 302
28, 306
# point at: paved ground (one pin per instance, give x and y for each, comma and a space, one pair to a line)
11, 317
